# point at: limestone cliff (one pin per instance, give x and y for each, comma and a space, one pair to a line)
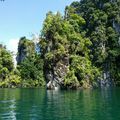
25, 48
55, 75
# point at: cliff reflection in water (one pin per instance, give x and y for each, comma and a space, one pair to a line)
39, 104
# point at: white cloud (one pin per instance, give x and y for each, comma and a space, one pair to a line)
12, 45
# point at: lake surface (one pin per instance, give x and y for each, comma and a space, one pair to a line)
39, 104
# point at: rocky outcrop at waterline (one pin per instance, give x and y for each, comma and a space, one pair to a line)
26, 48
105, 80
55, 75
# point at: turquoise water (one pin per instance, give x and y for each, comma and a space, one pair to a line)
39, 104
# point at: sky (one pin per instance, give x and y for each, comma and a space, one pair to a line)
20, 18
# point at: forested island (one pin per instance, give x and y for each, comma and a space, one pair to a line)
80, 49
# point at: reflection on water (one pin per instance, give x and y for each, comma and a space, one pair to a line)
39, 104
10, 108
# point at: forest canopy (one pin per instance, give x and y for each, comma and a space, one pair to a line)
79, 49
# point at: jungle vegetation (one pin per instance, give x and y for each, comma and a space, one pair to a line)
88, 35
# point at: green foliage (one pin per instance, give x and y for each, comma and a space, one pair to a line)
6, 63
30, 64
29, 72
31, 69
71, 80
88, 35
8, 77
102, 27
64, 37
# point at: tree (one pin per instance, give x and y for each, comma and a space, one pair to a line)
102, 27
64, 47
30, 64
6, 62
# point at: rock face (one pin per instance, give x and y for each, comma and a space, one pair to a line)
55, 75
116, 26
106, 79
21, 56
25, 48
